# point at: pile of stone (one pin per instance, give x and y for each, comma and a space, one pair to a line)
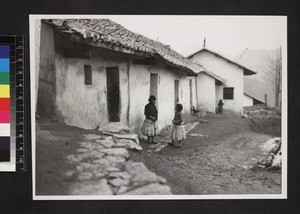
103, 168
262, 113
272, 150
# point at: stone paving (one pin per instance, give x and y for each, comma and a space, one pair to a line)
103, 168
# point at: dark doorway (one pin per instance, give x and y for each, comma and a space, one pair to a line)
176, 91
154, 86
191, 95
113, 93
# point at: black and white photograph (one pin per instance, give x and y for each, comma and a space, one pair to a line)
158, 107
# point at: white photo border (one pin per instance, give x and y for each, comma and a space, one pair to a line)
283, 195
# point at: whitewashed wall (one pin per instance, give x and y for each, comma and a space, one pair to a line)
140, 91
206, 92
247, 101
85, 106
232, 73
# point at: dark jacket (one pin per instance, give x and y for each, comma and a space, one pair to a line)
150, 110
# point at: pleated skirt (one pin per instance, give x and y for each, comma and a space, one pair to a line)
149, 128
178, 132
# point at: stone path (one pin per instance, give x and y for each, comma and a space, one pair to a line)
103, 168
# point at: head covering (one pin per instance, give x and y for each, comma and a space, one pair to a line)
152, 98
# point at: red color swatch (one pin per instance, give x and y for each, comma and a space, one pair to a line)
4, 116
4, 104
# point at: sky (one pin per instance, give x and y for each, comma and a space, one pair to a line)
227, 35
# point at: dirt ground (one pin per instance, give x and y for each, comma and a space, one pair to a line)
218, 157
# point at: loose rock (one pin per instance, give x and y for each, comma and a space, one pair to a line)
147, 177
69, 173
122, 189
92, 137
115, 160
151, 189
108, 143
135, 167
112, 169
92, 187
124, 175
117, 182
99, 175
114, 127
117, 152
85, 176
133, 137
128, 144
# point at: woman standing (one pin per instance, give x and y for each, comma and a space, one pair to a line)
220, 107
178, 129
149, 127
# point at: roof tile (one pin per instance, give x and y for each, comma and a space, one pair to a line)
105, 30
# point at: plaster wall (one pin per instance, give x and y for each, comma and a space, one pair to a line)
247, 101
219, 94
75, 103
206, 92
140, 91
84, 105
232, 73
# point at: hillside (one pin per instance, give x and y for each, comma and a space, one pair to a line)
260, 84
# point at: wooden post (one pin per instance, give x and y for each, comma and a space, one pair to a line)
266, 99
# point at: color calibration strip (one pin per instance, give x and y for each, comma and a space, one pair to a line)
4, 104
12, 103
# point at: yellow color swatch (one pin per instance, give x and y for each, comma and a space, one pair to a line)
4, 91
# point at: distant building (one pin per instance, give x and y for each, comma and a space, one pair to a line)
94, 71
229, 88
259, 86
250, 101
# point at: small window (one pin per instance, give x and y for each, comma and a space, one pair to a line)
228, 94
87, 74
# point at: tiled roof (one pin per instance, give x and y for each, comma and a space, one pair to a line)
105, 31
247, 71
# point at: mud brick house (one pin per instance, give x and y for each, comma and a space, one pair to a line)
94, 71
232, 74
